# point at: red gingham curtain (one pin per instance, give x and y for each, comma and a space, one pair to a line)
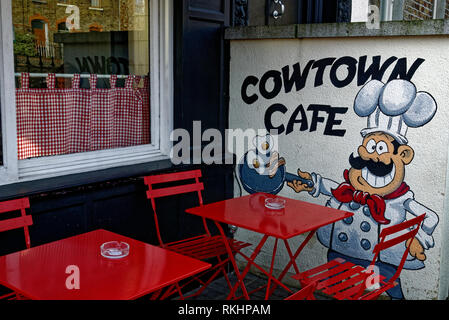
53, 121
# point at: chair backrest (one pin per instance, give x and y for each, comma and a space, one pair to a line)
395, 236
20, 222
305, 293
185, 187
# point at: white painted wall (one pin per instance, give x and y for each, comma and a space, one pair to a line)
328, 155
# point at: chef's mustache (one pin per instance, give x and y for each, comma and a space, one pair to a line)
379, 169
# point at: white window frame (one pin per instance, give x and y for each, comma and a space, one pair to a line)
161, 108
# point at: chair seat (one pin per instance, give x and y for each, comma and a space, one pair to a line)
205, 246
344, 280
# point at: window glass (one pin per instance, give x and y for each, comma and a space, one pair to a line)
407, 10
82, 75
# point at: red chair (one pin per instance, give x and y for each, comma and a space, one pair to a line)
305, 293
343, 280
202, 247
15, 223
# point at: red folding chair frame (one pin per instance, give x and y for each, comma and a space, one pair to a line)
305, 293
201, 247
344, 280
23, 221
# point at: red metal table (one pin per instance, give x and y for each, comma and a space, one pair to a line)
249, 212
40, 272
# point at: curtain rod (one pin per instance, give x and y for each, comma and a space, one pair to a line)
68, 75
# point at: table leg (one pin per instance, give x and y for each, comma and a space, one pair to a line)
251, 262
293, 258
268, 291
277, 281
234, 264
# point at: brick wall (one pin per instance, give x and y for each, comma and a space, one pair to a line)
418, 9
114, 16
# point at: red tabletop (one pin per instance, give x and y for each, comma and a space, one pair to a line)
249, 212
40, 272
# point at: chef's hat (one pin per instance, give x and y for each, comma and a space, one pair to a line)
393, 107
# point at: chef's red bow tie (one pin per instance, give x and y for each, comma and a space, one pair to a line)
345, 193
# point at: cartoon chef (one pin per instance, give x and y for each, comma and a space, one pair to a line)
374, 188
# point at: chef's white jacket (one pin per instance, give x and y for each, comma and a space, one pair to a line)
356, 236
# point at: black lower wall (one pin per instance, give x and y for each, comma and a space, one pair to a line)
119, 206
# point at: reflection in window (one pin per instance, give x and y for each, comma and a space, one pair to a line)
95, 3
62, 27
394, 10
95, 27
84, 89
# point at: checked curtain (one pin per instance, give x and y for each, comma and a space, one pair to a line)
55, 121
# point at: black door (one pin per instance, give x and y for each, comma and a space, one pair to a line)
201, 76
201, 63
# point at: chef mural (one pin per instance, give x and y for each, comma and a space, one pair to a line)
374, 186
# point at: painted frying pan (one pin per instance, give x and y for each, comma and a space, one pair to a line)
252, 181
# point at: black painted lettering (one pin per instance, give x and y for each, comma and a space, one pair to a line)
269, 113
294, 119
276, 76
297, 78
374, 71
249, 81
400, 70
321, 66
331, 122
351, 65
317, 108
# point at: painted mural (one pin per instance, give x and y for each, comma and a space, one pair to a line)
373, 184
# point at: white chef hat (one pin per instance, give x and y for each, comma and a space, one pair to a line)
393, 107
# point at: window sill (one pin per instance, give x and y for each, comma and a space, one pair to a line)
20, 189
335, 30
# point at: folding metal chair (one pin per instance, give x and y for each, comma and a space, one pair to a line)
23, 221
201, 247
344, 280
305, 293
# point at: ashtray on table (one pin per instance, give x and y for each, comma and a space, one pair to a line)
275, 203
114, 249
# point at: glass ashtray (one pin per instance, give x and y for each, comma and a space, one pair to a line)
114, 249
275, 203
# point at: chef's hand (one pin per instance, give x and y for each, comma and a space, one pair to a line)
416, 250
274, 163
298, 186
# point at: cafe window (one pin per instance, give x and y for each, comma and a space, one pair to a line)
62, 26
95, 3
88, 90
285, 12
